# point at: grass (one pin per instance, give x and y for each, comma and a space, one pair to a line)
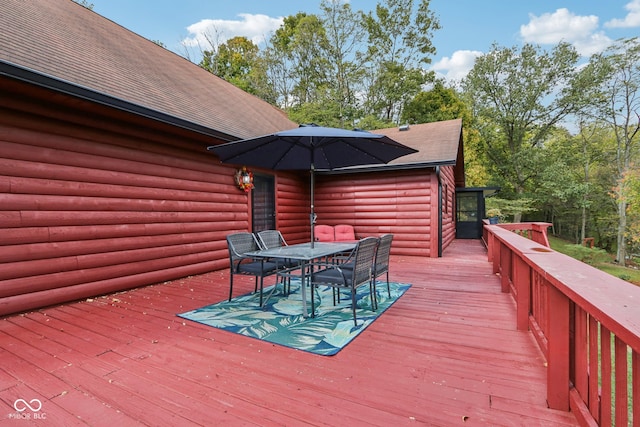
605, 263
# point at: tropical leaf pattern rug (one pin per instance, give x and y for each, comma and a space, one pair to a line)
280, 321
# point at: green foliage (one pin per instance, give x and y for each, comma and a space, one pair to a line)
399, 44
347, 68
238, 61
325, 113
371, 122
624, 273
439, 103
515, 96
603, 263
630, 184
618, 103
508, 208
572, 188
591, 256
341, 66
494, 212
446, 103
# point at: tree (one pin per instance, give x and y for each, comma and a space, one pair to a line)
572, 189
344, 34
591, 141
621, 109
517, 98
317, 64
296, 60
446, 103
439, 103
631, 181
238, 61
399, 45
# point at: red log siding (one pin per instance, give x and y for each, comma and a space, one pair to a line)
94, 201
447, 177
99, 212
383, 202
293, 207
80, 218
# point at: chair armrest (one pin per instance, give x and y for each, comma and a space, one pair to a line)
326, 266
321, 264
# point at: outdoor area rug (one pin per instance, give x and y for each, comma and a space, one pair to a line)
280, 321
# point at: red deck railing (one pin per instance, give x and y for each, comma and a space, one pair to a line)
586, 322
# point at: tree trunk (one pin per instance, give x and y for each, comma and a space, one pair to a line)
583, 226
621, 253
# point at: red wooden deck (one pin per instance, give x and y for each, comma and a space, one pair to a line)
447, 353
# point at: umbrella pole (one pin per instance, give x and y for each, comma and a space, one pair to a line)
312, 219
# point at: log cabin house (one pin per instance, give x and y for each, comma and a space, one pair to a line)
106, 183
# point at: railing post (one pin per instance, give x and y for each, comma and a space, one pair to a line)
494, 246
522, 283
505, 267
558, 351
539, 233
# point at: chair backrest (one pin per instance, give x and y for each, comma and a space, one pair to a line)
364, 257
240, 243
344, 232
324, 233
382, 254
271, 239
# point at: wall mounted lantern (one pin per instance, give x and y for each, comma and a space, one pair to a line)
244, 179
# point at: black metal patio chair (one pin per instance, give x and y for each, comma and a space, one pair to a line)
350, 275
239, 244
381, 265
269, 239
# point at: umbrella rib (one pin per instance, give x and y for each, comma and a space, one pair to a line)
355, 147
293, 142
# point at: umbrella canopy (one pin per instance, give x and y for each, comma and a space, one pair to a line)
306, 146
311, 147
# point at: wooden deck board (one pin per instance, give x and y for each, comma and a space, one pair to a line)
447, 353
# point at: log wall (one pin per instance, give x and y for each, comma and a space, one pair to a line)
293, 207
93, 201
447, 177
80, 218
400, 203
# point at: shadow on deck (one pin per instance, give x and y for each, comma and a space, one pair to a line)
447, 353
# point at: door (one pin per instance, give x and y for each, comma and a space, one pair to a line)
263, 203
469, 212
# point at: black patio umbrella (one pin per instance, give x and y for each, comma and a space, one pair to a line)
312, 147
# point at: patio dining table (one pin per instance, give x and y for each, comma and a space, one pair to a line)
305, 253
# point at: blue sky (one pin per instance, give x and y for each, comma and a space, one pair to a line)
469, 27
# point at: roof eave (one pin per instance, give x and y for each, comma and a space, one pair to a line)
387, 167
27, 75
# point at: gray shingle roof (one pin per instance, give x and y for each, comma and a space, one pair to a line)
66, 41
436, 142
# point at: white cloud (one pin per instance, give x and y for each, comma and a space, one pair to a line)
458, 66
562, 25
631, 20
254, 27
565, 26
595, 43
